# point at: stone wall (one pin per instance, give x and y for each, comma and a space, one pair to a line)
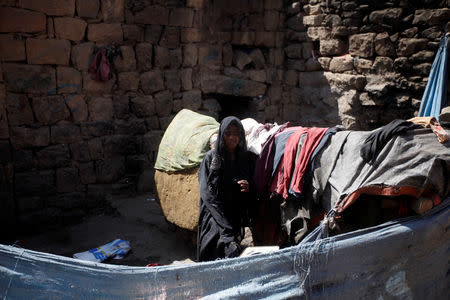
67, 140
359, 63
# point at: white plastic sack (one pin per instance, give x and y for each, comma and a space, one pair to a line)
116, 249
256, 134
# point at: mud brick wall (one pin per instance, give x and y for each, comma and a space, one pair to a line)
67, 141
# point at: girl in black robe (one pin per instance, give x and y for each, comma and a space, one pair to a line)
225, 193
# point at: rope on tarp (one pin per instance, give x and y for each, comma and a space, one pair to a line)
11, 278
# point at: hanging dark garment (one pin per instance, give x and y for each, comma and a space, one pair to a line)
375, 142
297, 211
323, 143
224, 210
280, 144
264, 163
100, 69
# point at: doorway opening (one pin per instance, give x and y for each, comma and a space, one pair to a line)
239, 106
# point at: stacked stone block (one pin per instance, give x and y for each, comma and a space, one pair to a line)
389, 45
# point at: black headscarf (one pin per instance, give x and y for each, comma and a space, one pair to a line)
220, 148
221, 160
221, 203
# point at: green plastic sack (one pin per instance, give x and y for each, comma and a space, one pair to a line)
185, 141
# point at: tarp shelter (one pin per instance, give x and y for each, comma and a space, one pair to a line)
435, 96
403, 259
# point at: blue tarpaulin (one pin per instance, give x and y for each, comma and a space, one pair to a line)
402, 259
435, 95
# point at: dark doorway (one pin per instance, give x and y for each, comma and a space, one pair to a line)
238, 106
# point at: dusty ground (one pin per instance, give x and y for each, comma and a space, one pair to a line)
137, 219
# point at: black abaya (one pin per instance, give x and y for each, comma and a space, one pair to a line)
222, 206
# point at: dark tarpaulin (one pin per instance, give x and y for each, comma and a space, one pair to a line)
400, 160
414, 161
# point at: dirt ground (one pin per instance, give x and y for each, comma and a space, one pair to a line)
137, 219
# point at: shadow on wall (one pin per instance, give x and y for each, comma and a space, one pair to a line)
357, 101
323, 99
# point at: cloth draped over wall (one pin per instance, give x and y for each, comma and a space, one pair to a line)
435, 95
399, 159
413, 163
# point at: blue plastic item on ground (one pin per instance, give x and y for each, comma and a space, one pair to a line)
116, 249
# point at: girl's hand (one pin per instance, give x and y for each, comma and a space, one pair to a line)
245, 187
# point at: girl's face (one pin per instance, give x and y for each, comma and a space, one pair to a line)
231, 137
